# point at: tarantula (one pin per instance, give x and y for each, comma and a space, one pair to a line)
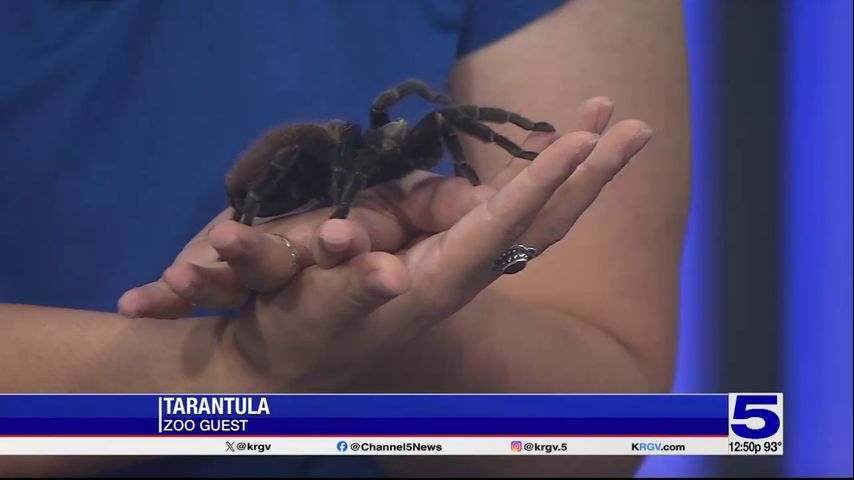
296, 165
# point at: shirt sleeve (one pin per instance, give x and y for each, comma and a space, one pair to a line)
489, 20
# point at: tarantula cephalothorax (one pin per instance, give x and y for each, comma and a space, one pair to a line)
294, 165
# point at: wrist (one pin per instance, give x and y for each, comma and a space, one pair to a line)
251, 360
242, 362
270, 358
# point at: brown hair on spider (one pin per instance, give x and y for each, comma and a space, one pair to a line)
295, 165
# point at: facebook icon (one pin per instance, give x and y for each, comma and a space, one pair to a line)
342, 446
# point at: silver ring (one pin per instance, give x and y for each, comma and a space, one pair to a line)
515, 259
291, 249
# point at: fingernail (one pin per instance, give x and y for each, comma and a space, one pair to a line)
589, 145
607, 102
334, 239
639, 141
378, 284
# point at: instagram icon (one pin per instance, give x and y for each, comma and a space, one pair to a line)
516, 446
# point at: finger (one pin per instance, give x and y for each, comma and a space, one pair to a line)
594, 114
222, 216
338, 240
390, 213
429, 203
155, 300
534, 142
214, 287
349, 291
612, 154
385, 231
470, 247
198, 251
262, 262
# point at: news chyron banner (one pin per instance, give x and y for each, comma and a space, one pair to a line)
713, 424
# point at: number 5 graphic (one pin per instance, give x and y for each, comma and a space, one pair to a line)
743, 412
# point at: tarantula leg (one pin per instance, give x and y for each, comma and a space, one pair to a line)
356, 182
251, 204
343, 164
485, 134
499, 115
390, 97
339, 177
282, 162
458, 155
428, 130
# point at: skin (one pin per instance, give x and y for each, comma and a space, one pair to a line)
421, 310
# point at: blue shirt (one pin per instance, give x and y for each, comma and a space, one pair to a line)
119, 120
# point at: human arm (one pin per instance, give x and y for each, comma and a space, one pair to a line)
431, 278
598, 311
611, 325
53, 350
616, 270
63, 350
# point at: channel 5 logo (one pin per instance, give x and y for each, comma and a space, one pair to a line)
516, 446
756, 416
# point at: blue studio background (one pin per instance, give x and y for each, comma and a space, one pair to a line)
106, 108
767, 268
118, 120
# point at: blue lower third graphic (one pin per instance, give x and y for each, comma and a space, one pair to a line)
342, 416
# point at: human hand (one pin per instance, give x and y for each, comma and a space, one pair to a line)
330, 325
226, 262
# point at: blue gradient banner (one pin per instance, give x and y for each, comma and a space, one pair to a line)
392, 415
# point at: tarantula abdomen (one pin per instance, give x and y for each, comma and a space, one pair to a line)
281, 183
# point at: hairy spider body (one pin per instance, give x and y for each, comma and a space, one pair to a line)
302, 184
292, 166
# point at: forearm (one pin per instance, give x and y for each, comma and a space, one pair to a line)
498, 344
75, 351
528, 347
59, 350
